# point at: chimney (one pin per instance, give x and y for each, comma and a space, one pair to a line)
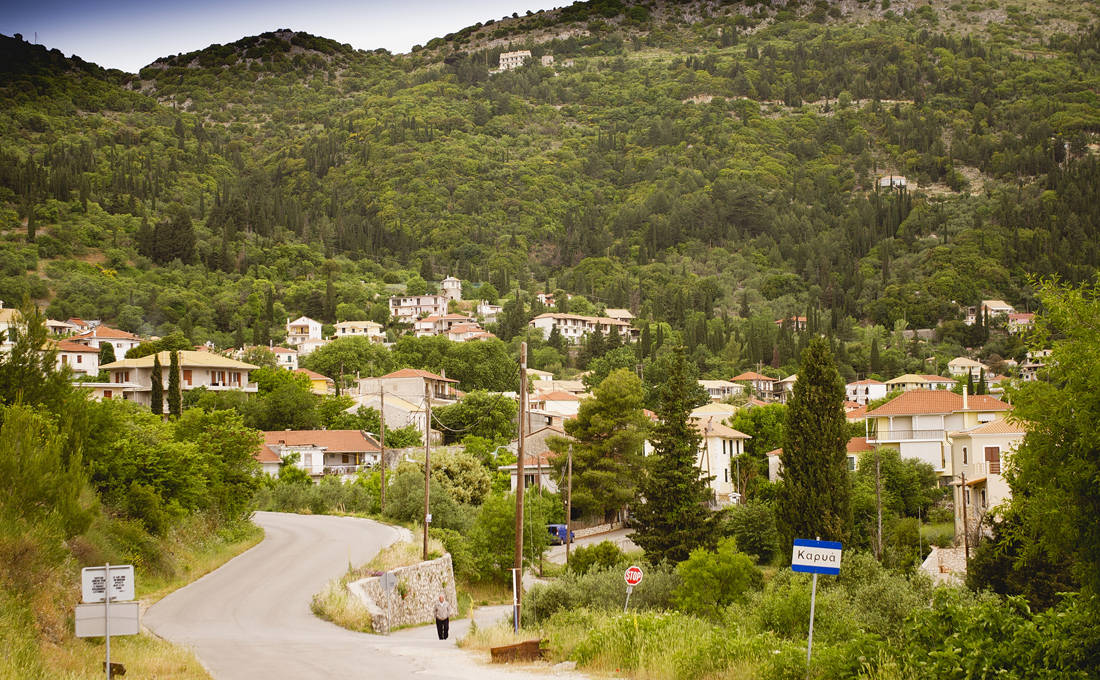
965, 402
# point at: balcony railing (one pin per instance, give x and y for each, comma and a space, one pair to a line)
904, 435
345, 469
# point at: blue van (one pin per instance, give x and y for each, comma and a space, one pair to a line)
557, 534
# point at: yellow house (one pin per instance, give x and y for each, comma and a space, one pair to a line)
917, 423
318, 384
978, 457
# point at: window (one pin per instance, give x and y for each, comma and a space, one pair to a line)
968, 496
107, 395
964, 455
187, 376
993, 458
851, 463
79, 359
983, 498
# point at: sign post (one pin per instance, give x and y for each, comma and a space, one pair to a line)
632, 576
106, 584
815, 557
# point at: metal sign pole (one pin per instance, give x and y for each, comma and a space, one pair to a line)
629, 589
515, 603
810, 641
107, 616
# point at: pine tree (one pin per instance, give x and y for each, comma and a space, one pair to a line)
175, 398
876, 361
555, 340
814, 496
106, 353
673, 520
745, 311
614, 340
157, 398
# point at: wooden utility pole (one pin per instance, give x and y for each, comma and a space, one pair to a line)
966, 521
519, 473
569, 505
427, 460
878, 503
382, 444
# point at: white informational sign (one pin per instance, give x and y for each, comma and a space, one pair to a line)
389, 581
93, 582
125, 619
816, 557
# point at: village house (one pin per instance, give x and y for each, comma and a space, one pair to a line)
467, 332
9, 320
409, 384
488, 312
556, 402
721, 389
320, 452
60, 329
285, 358
513, 60
892, 182
763, 386
978, 458
538, 470
81, 359
854, 448
573, 327
795, 323
535, 375
912, 381
961, 366
988, 309
301, 331
863, 391
359, 329
1018, 322
718, 410
619, 314
719, 450
132, 378
318, 384
441, 325
917, 423
121, 341
409, 308
785, 388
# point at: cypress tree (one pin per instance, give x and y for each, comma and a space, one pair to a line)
674, 518
876, 362
983, 385
175, 398
814, 496
157, 398
106, 353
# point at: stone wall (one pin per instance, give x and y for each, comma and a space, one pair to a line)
413, 599
598, 529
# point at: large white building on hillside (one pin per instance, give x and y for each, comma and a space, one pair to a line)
409, 308
573, 327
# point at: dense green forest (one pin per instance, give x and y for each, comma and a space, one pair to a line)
712, 167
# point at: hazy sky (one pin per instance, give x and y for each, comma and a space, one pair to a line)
129, 34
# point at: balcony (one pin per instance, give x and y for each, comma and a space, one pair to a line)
345, 470
226, 387
905, 435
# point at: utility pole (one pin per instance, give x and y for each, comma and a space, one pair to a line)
569, 505
519, 474
427, 460
878, 503
382, 444
966, 522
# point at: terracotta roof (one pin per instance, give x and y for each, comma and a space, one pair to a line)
859, 445
757, 402
867, 381
774, 452
714, 428
907, 378
336, 441
856, 414
105, 332
557, 395
465, 328
416, 373
851, 405
607, 321
750, 375
313, 375
188, 359
937, 378
283, 350
70, 346
266, 455
1001, 426
916, 402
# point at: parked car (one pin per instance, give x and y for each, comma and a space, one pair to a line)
557, 534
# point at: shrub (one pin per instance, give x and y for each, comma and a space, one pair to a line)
600, 556
711, 579
600, 590
753, 525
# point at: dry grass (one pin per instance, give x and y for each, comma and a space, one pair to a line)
403, 554
144, 656
482, 639
335, 603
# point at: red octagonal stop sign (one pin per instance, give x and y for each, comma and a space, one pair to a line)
633, 576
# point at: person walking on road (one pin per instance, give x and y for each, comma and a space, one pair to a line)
443, 617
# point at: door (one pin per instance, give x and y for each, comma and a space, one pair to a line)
993, 459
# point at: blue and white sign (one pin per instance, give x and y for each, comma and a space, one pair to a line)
816, 557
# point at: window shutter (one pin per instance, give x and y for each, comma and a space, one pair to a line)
993, 457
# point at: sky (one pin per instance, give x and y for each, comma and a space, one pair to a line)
130, 34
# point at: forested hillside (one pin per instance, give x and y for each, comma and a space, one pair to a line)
714, 166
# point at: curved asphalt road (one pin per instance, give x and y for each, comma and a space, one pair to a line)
250, 619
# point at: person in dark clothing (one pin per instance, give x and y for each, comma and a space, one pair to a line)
443, 618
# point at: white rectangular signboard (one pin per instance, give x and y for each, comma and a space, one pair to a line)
816, 557
93, 582
125, 619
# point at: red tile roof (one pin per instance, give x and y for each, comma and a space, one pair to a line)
335, 441
916, 402
313, 375
416, 373
856, 414
750, 375
557, 395
105, 332
859, 445
266, 455
867, 381
70, 346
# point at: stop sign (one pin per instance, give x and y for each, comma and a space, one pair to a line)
633, 576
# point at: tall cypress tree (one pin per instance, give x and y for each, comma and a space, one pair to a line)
673, 520
814, 498
106, 353
175, 398
157, 398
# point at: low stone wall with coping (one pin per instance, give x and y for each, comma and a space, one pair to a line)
598, 529
413, 599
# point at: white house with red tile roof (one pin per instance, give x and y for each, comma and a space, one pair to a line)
721, 389
980, 454
960, 367
558, 402
408, 383
213, 372
762, 385
320, 452
917, 423
720, 449
797, 323
81, 359
855, 447
122, 341
285, 358
302, 330
409, 308
370, 330
1018, 322
863, 391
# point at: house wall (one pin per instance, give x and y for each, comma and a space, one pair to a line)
82, 363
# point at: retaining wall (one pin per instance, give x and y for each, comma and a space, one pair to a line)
413, 599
